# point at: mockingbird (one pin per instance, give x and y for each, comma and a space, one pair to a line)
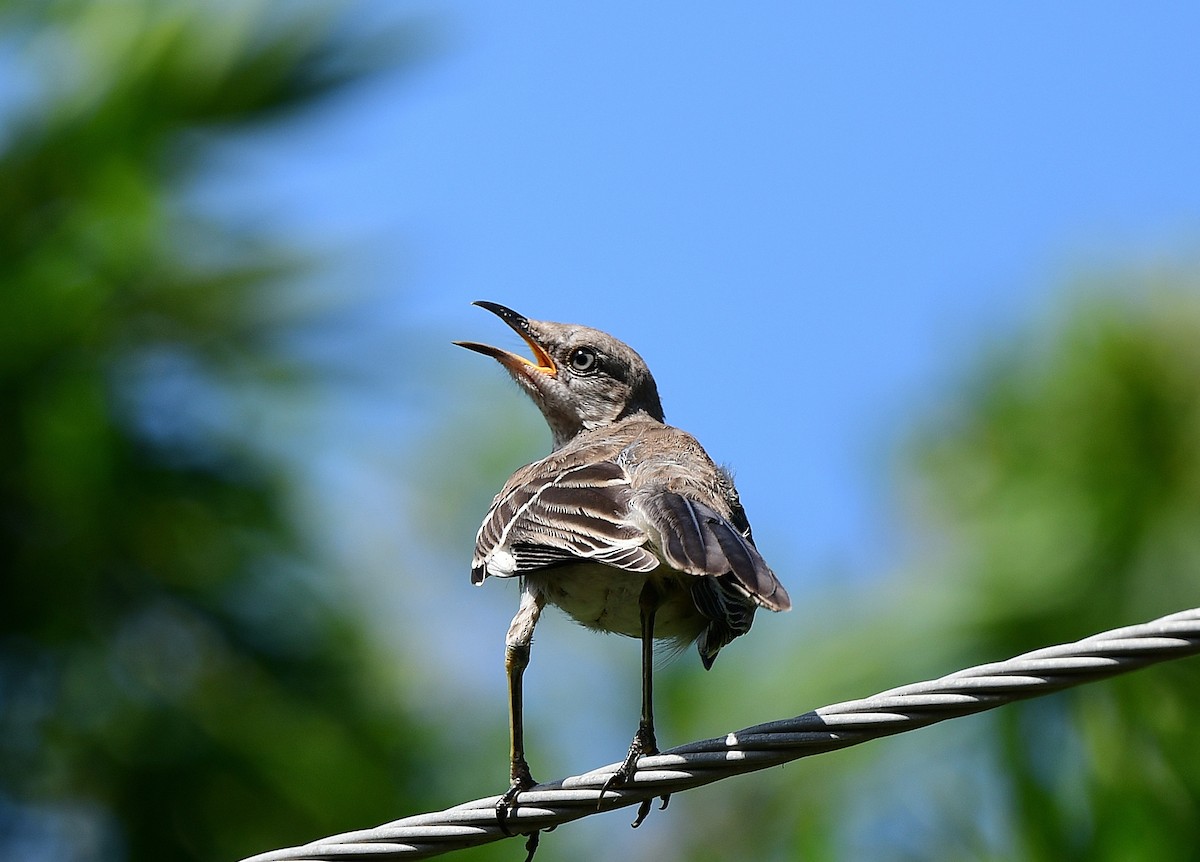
627, 525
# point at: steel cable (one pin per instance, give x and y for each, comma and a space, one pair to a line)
829, 728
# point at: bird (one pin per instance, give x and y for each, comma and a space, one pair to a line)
627, 525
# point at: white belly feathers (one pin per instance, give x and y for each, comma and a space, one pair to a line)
605, 598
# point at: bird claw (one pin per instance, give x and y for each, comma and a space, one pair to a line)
643, 743
642, 813
507, 803
531, 845
644, 809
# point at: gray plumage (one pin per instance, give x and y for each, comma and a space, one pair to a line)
623, 490
643, 499
627, 525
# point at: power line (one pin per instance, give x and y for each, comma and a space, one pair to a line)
829, 728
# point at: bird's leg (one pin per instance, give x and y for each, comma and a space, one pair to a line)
516, 659
644, 741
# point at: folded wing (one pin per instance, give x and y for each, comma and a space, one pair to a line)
554, 513
698, 540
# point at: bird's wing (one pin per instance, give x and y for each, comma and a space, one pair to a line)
696, 539
558, 511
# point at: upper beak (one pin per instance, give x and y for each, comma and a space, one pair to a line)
512, 361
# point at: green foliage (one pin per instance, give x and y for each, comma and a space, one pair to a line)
1060, 495
176, 681
1072, 479
1071, 484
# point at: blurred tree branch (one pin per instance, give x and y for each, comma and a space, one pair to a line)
149, 713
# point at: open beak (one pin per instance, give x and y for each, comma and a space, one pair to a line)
541, 363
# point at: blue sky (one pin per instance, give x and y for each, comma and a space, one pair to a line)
812, 221
809, 219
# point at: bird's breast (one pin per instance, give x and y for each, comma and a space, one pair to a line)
606, 598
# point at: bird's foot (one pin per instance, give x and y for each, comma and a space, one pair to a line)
521, 780
643, 743
531, 845
644, 809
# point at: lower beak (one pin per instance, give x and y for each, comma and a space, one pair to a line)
542, 362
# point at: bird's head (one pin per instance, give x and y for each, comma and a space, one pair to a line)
580, 378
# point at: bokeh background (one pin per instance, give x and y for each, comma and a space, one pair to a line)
926, 277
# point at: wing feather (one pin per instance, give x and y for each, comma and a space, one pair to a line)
699, 541
554, 513
616, 499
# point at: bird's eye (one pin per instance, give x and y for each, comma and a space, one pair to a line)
583, 360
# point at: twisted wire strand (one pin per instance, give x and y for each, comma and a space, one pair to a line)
829, 728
